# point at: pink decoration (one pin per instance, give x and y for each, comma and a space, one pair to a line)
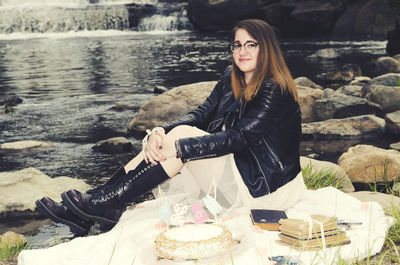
199, 215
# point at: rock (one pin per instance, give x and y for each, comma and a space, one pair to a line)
388, 97
327, 53
351, 90
393, 36
385, 91
393, 122
124, 107
328, 92
337, 106
366, 163
306, 82
359, 127
365, 18
11, 240
212, 15
170, 105
27, 144
326, 166
20, 189
384, 80
307, 97
347, 73
360, 81
113, 145
385, 65
336, 146
395, 146
387, 201
160, 89
10, 100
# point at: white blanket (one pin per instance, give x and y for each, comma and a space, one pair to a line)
131, 241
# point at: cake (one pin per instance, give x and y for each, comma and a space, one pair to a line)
192, 241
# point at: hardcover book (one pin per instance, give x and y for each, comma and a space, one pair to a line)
267, 219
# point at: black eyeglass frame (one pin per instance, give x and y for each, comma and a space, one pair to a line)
232, 45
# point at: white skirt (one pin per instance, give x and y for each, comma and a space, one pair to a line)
197, 177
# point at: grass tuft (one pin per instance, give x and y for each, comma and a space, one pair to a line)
321, 179
10, 251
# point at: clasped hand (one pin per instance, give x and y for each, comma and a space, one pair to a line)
158, 147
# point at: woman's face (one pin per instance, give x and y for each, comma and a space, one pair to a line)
246, 56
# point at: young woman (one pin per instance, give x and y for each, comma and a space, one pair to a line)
249, 125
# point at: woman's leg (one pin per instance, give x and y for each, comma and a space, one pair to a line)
107, 206
172, 165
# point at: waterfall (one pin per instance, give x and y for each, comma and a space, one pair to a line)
54, 16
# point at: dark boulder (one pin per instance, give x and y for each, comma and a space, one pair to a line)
365, 18
393, 36
213, 15
292, 18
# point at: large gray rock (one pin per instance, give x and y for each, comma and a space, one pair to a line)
388, 97
393, 122
307, 97
385, 65
367, 17
337, 106
306, 82
391, 79
369, 164
113, 145
385, 91
359, 127
20, 189
351, 90
170, 105
387, 201
26, 144
325, 166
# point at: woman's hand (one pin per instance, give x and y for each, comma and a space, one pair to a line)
154, 146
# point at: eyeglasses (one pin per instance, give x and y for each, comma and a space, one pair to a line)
249, 46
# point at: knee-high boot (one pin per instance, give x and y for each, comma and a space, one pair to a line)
120, 173
59, 213
106, 207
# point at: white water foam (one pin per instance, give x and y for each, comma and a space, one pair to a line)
85, 34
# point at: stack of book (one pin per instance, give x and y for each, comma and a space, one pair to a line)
297, 233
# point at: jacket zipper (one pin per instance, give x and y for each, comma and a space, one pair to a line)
208, 128
273, 154
200, 157
259, 167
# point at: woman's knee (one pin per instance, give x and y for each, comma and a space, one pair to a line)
183, 131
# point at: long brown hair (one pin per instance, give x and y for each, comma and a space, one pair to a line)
270, 63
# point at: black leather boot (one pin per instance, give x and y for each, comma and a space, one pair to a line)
114, 178
58, 213
107, 207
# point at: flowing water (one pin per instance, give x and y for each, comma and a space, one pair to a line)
72, 61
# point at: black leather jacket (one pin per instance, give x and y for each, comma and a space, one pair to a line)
263, 134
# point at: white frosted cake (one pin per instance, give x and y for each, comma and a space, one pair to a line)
193, 242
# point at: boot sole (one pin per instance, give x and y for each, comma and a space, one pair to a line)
105, 224
76, 229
